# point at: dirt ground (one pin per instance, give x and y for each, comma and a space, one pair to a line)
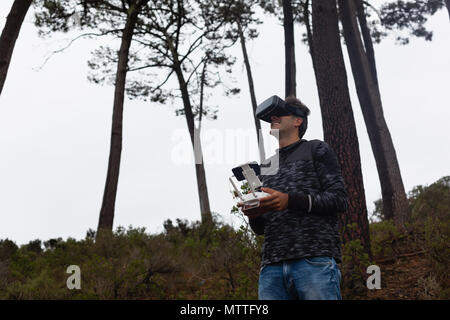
405, 278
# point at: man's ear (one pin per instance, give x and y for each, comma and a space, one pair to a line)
298, 121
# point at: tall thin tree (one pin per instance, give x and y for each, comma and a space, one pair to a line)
307, 21
180, 37
241, 15
447, 4
337, 116
395, 203
251, 86
289, 44
367, 38
107, 210
108, 18
9, 36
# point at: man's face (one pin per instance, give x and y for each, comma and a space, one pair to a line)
287, 125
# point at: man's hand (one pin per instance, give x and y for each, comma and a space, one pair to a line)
276, 201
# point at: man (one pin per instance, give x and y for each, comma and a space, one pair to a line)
299, 219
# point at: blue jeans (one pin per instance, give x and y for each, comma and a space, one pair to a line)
315, 278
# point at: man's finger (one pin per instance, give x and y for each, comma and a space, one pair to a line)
271, 204
268, 198
268, 190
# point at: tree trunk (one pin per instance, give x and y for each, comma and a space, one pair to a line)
194, 133
365, 31
252, 95
9, 35
112, 178
289, 49
337, 117
447, 4
395, 203
309, 36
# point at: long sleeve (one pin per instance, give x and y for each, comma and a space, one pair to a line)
332, 198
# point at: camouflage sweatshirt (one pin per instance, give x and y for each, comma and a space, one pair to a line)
309, 172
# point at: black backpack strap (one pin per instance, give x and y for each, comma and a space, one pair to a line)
313, 147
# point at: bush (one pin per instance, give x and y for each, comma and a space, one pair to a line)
427, 231
431, 201
187, 260
190, 260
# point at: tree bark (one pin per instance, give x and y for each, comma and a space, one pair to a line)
290, 72
337, 117
109, 196
252, 94
9, 35
368, 45
395, 203
309, 36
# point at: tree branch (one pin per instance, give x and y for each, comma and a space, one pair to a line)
195, 69
193, 47
106, 4
155, 47
179, 24
72, 41
149, 66
165, 80
373, 8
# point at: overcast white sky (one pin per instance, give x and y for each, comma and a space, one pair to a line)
55, 131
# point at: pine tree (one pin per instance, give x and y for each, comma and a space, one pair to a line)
9, 36
337, 117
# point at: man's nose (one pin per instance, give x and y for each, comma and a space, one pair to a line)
274, 118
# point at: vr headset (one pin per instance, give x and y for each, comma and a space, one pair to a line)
275, 106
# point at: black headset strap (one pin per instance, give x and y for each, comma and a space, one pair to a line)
294, 110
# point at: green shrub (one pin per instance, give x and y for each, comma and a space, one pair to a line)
191, 260
353, 269
431, 201
427, 231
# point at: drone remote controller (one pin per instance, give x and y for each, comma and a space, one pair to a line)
248, 171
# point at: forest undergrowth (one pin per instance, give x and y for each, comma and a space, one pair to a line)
193, 261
